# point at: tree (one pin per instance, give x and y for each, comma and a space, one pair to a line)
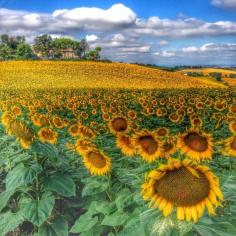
94, 54
83, 47
24, 51
43, 45
6, 52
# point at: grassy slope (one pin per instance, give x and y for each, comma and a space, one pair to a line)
66, 74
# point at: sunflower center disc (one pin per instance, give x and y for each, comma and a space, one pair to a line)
119, 124
233, 144
96, 159
196, 142
182, 188
148, 144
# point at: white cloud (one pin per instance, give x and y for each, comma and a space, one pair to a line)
231, 4
190, 49
163, 43
91, 38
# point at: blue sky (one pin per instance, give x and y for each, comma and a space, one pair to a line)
162, 32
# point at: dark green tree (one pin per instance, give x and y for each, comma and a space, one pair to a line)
24, 51
43, 46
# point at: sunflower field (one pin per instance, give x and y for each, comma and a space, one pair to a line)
105, 149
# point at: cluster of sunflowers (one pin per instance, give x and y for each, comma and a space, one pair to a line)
176, 130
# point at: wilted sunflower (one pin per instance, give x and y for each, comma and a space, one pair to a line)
23, 133
83, 145
97, 162
148, 145
168, 148
195, 144
119, 125
86, 132
47, 135
230, 146
124, 142
189, 187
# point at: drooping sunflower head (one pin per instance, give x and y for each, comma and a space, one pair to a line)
195, 144
230, 146
148, 145
168, 147
86, 132
22, 132
182, 184
47, 135
124, 142
96, 162
83, 145
119, 125
232, 127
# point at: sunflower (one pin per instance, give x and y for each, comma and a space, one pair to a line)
162, 132
174, 117
168, 148
6, 118
196, 144
74, 130
232, 108
58, 122
97, 162
22, 133
83, 145
119, 125
232, 127
230, 146
86, 132
189, 187
16, 110
124, 142
148, 145
47, 135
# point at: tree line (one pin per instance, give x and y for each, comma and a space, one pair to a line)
45, 47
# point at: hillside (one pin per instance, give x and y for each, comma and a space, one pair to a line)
68, 74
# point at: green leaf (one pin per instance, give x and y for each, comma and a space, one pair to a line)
123, 199
61, 184
94, 187
9, 221
46, 150
37, 211
84, 223
59, 227
115, 219
105, 207
216, 229
21, 175
4, 197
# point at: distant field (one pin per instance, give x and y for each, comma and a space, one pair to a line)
48, 74
206, 71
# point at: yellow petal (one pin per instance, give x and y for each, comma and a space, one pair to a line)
180, 213
168, 209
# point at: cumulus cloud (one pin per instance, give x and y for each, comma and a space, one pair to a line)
91, 38
231, 4
120, 32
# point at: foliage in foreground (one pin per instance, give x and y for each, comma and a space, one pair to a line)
48, 141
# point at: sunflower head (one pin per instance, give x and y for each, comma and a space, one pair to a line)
124, 142
118, 125
182, 184
47, 135
230, 146
195, 144
96, 162
148, 145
